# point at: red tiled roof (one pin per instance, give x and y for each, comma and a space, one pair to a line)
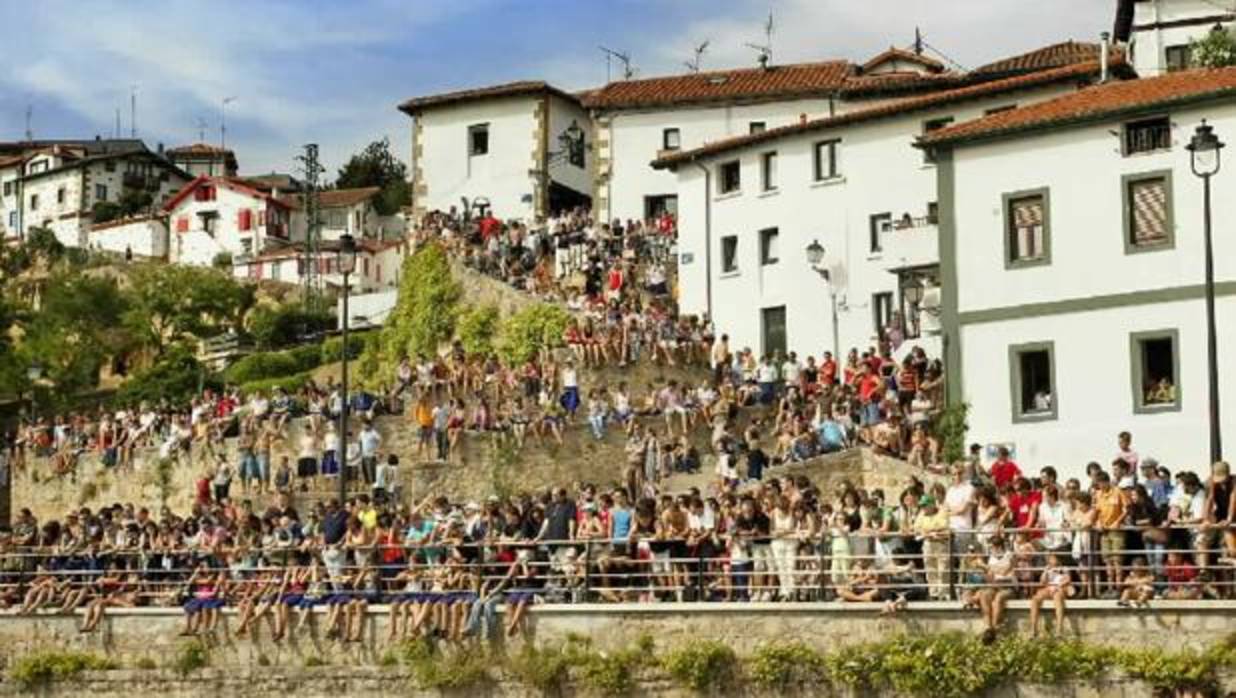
334, 198
201, 149
234, 183
894, 108
1096, 102
1047, 57
743, 84
898, 54
510, 89
297, 249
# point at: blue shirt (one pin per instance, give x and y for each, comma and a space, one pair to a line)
622, 523
831, 433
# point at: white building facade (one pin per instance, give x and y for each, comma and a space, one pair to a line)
1158, 32
1072, 275
215, 216
522, 147
855, 184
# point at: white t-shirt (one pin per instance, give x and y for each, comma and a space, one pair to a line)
957, 497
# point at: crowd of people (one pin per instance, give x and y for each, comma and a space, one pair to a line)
1131, 532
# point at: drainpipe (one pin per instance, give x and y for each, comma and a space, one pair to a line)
707, 239
1104, 47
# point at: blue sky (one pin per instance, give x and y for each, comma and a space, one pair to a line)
332, 71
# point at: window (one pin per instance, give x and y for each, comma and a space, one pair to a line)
182, 224
110, 166
880, 223
206, 193
1001, 108
1147, 135
757, 127
244, 219
100, 192
933, 212
768, 171
1155, 371
826, 165
934, 125
768, 246
8, 188
1032, 381
1178, 57
730, 177
671, 139
34, 202
60, 195
13, 219
37, 166
1027, 230
1148, 221
729, 254
772, 331
478, 139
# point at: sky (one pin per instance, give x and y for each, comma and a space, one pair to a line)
333, 72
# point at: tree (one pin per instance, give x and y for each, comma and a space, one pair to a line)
424, 316
1215, 50
477, 327
105, 211
285, 325
174, 378
530, 331
170, 304
377, 166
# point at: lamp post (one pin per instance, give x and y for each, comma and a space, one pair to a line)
1204, 159
346, 263
815, 257
34, 373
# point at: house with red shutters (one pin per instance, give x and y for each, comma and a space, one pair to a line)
378, 264
215, 218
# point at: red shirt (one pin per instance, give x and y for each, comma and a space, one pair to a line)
1022, 506
1003, 473
828, 372
1184, 573
869, 388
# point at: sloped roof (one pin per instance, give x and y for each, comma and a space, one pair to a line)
1095, 103
199, 149
742, 84
889, 109
334, 198
900, 54
1045, 58
236, 184
509, 89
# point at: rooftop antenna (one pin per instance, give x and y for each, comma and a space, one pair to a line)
623, 57
116, 133
918, 42
223, 122
29, 117
765, 49
133, 111
201, 129
694, 64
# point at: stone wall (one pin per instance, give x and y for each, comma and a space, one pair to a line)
148, 637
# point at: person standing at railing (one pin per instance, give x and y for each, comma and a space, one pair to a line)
1220, 523
1111, 507
959, 503
784, 546
931, 529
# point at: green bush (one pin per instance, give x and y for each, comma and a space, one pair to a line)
262, 366
105, 211
477, 327
41, 668
290, 384
531, 330
283, 326
175, 377
779, 666
191, 656
332, 349
543, 668
701, 665
432, 670
950, 428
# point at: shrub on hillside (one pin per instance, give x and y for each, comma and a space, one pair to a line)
291, 384
261, 366
530, 331
175, 377
282, 326
477, 327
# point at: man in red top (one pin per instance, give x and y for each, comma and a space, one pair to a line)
489, 227
828, 370
1004, 470
1024, 503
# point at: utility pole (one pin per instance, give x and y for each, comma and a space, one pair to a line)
311, 279
223, 122
133, 111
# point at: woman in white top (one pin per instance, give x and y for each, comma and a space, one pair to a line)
1054, 520
784, 545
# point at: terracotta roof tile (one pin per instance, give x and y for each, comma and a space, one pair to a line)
1080, 71
743, 84
1096, 102
334, 198
1047, 57
199, 149
509, 89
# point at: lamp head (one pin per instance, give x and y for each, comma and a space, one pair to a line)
347, 254
815, 253
1204, 149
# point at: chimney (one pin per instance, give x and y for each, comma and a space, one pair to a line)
802, 118
160, 146
1105, 40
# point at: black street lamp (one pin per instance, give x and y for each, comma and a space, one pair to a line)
345, 258
1204, 157
815, 257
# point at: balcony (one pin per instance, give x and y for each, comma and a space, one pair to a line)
910, 241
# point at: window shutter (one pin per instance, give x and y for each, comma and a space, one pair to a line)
182, 224
246, 219
1148, 198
